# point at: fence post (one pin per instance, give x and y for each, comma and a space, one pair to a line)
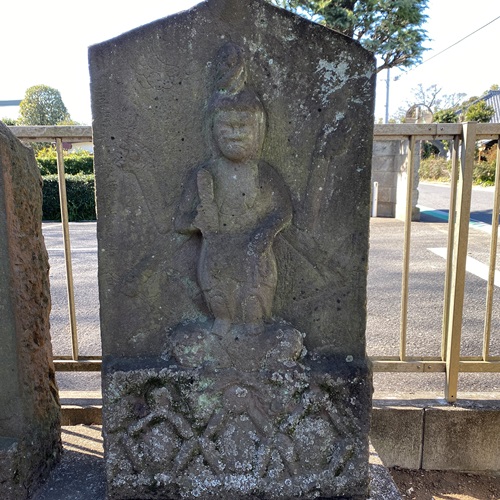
406, 249
493, 255
451, 237
460, 243
67, 247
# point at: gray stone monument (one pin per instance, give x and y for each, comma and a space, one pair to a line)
30, 440
233, 147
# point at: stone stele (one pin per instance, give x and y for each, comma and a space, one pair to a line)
30, 439
233, 147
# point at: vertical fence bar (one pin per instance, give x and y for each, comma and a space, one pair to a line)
493, 256
67, 248
375, 199
451, 236
406, 248
459, 260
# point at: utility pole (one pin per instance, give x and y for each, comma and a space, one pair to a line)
387, 85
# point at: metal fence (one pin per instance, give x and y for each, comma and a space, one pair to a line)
462, 138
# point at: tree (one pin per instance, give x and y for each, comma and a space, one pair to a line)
392, 29
432, 98
479, 112
445, 116
42, 105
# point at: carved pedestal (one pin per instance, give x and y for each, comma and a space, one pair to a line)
248, 417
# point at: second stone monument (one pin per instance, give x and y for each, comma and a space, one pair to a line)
233, 146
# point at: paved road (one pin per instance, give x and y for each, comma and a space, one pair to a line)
384, 284
437, 195
427, 267
84, 259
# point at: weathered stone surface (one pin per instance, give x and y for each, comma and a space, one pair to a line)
29, 406
227, 433
233, 149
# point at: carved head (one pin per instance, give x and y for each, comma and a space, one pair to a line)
237, 114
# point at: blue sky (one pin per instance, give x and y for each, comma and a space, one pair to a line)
46, 42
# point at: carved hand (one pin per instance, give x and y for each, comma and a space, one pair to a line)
262, 238
207, 217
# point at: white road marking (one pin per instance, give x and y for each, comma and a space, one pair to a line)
472, 266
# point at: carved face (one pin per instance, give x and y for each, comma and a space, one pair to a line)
238, 134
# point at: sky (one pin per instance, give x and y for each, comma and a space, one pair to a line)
47, 42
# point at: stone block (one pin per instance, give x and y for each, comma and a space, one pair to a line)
464, 439
29, 407
386, 148
385, 179
232, 156
396, 434
386, 209
386, 195
383, 164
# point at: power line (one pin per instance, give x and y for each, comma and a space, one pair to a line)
456, 43
404, 73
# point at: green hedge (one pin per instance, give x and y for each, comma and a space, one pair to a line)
79, 162
80, 195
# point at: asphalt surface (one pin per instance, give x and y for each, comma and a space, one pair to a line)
384, 294
436, 196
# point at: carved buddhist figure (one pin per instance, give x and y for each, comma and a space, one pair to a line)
238, 408
237, 203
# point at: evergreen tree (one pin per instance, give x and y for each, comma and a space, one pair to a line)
392, 29
42, 105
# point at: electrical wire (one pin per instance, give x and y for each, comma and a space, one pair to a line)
456, 43
405, 72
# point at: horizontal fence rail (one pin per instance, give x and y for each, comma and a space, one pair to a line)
462, 137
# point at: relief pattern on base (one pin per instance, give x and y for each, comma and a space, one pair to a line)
286, 430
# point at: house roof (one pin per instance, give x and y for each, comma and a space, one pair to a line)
492, 98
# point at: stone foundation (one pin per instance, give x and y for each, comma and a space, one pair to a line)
290, 431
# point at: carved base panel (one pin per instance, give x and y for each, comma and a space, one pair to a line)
298, 430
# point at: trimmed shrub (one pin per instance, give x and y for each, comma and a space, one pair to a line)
80, 195
435, 168
484, 173
74, 163
484, 169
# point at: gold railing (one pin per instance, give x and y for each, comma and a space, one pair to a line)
462, 138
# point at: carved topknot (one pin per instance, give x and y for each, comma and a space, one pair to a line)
231, 70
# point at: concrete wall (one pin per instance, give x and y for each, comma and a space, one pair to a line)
389, 170
432, 435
